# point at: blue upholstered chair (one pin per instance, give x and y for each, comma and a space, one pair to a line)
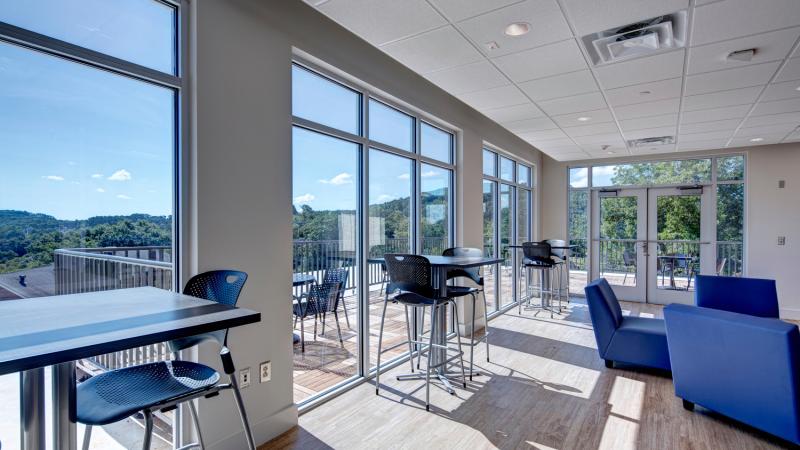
752, 296
632, 340
741, 366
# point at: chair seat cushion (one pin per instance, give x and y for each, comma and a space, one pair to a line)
460, 291
115, 395
641, 341
410, 298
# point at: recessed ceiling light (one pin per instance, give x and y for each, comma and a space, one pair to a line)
756, 139
584, 119
518, 29
492, 45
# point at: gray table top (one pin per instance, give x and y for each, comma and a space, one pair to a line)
38, 332
453, 261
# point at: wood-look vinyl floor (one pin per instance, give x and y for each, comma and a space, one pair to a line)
545, 388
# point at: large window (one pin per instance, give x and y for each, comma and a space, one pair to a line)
507, 221
88, 151
364, 171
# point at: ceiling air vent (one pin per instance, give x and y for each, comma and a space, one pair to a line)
651, 141
637, 39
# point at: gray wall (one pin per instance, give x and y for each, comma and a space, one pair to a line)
239, 182
770, 212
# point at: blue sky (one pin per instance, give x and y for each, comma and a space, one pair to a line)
77, 142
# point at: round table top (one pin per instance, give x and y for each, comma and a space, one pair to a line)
300, 279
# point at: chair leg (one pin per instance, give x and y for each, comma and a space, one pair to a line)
472, 340
486, 324
237, 396
346, 317
421, 332
460, 351
380, 342
148, 430
408, 335
338, 328
687, 405
430, 354
324, 316
196, 420
302, 335
87, 437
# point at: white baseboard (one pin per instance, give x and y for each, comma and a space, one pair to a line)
269, 428
790, 313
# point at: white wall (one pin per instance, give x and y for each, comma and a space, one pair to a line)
239, 206
770, 212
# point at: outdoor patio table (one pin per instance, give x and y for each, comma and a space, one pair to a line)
671, 259
56, 331
440, 266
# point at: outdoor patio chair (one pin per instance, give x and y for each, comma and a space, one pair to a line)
321, 299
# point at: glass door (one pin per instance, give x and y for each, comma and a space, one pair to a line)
679, 245
619, 236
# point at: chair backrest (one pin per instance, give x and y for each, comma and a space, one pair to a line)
410, 273
682, 261
604, 310
538, 252
721, 264
629, 258
221, 286
473, 274
325, 296
559, 253
752, 296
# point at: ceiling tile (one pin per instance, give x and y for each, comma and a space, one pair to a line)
723, 80
766, 130
710, 135
646, 92
542, 136
776, 107
572, 157
771, 46
559, 142
576, 103
663, 120
781, 91
642, 70
547, 26
590, 16
472, 77
600, 139
537, 124
433, 50
376, 20
512, 113
639, 110
596, 116
542, 61
720, 99
650, 132
708, 115
563, 85
701, 145
791, 71
587, 130
733, 18
494, 98
704, 127
457, 10
653, 149
746, 142
790, 117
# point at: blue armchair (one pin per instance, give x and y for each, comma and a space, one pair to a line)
752, 296
633, 340
738, 365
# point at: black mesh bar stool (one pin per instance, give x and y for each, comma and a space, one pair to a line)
162, 386
461, 291
411, 279
537, 256
559, 257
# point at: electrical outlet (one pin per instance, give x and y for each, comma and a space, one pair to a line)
265, 372
244, 378
781, 240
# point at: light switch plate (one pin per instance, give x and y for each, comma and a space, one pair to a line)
781, 240
265, 372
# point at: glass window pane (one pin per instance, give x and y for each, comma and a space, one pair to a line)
139, 31
489, 163
678, 233
325, 240
652, 173
730, 229
435, 143
506, 238
617, 248
579, 177
523, 175
506, 169
578, 233
87, 160
730, 168
321, 100
435, 201
390, 126
489, 189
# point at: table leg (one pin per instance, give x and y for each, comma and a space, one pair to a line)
32, 413
64, 426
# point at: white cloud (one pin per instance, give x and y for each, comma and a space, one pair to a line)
97, 175
305, 198
386, 197
53, 177
580, 177
430, 173
404, 176
121, 175
342, 178
604, 170
100, 190
124, 197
